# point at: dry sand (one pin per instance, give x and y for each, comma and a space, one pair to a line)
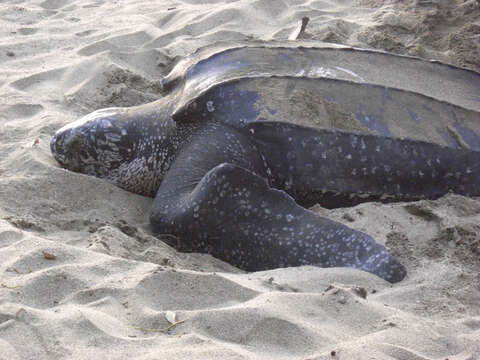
81, 278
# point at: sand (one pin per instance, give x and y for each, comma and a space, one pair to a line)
82, 278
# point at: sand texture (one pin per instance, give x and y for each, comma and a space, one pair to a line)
81, 277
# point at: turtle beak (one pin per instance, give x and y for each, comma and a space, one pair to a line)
57, 146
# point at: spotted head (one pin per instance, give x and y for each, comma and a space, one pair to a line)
117, 145
94, 144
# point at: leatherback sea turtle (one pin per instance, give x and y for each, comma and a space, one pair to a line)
248, 136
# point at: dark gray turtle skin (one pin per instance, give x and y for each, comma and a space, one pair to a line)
248, 136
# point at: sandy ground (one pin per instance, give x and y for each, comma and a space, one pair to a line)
82, 278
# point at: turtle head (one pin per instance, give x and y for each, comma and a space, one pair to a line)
95, 144
130, 147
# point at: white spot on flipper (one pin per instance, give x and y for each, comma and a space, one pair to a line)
210, 107
106, 123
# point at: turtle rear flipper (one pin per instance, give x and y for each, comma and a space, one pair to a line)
231, 212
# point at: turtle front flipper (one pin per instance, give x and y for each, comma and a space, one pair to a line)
220, 202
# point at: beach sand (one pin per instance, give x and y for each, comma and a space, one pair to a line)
81, 276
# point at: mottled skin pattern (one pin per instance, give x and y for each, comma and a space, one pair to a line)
230, 183
236, 192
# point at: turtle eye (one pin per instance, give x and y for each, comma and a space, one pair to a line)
74, 144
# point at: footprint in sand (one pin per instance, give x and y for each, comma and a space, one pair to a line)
94, 4
9, 237
54, 4
23, 110
85, 33
27, 31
